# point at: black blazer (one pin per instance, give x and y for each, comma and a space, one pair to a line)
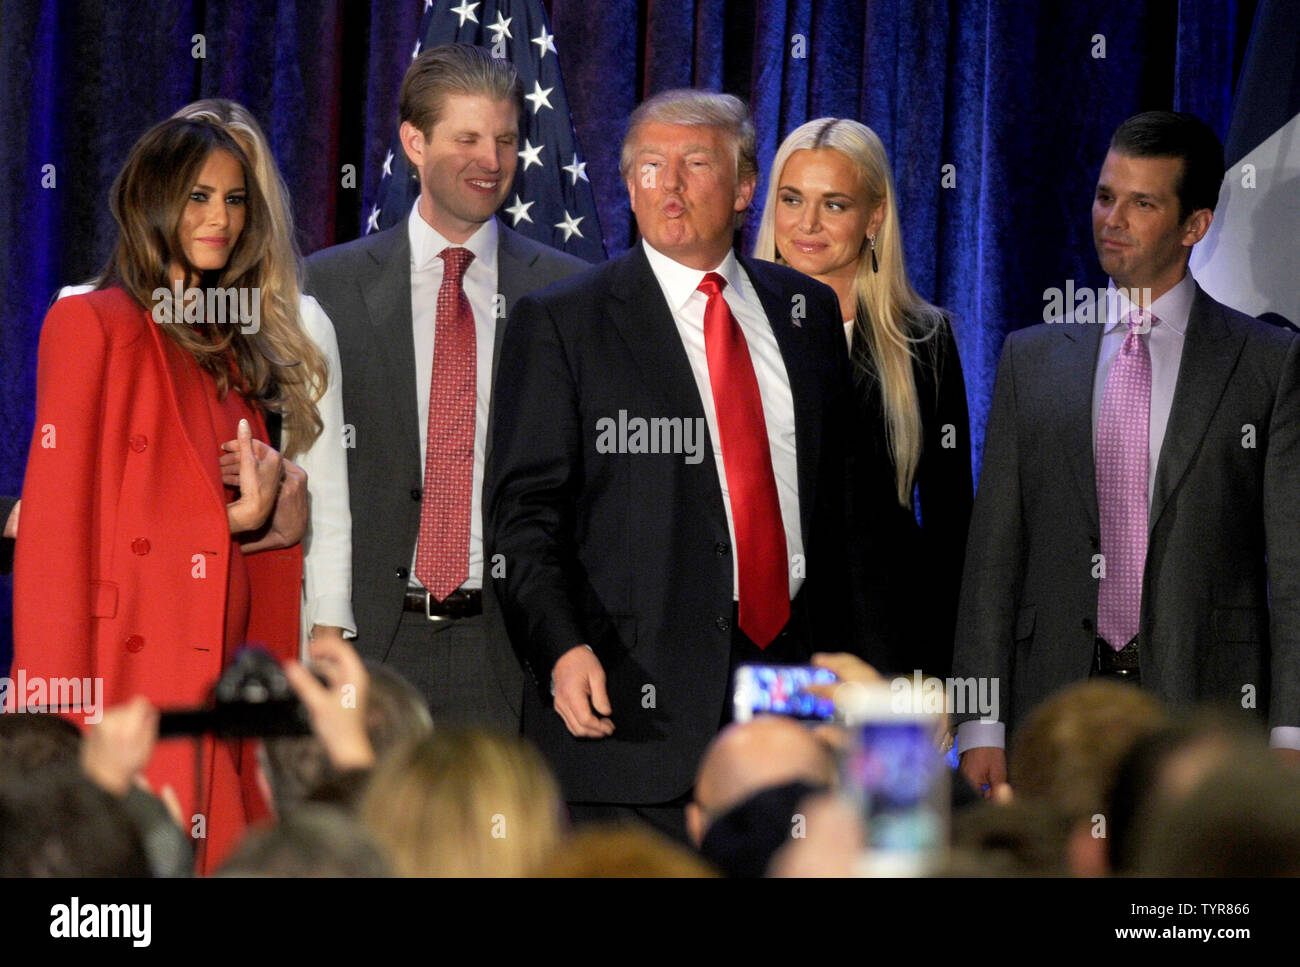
630, 552
914, 569
364, 287
1220, 616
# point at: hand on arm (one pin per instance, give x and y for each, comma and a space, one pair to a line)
250, 467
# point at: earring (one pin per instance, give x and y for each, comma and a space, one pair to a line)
875, 266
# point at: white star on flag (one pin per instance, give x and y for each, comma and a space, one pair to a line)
539, 98
502, 26
545, 42
372, 222
388, 164
519, 210
465, 11
578, 170
530, 155
569, 226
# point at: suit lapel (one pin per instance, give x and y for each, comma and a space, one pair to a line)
187, 395
1076, 368
644, 321
514, 281
386, 291
805, 388
1210, 352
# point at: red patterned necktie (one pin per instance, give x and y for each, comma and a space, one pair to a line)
442, 551
747, 459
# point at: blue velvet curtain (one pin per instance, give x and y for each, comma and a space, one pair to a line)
1018, 96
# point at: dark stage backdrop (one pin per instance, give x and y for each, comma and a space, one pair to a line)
1018, 97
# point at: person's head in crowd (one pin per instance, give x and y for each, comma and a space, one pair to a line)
622, 851
281, 267
834, 838
1017, 838
746, 758
191, 212
831, 212
57, 822
464, 803
1162, 769
460, 109
297, 769
31, 742
1068, 752
1155, 198
690, 165
1240, 820
316, 841
741, 842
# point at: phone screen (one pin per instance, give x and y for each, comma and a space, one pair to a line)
900, 781
781, 690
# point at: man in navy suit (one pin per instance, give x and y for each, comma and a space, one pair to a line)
667, 482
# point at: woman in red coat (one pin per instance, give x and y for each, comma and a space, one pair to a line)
136, 569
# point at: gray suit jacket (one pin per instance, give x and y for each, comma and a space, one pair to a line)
1221, 594
365, 288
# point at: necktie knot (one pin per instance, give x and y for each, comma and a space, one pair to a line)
1140, 321
712, 285
455, 261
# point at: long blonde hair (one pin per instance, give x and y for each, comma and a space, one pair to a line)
891, 319
301, 386
464, 803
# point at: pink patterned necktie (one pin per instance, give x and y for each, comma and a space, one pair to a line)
1122, 468
442, 548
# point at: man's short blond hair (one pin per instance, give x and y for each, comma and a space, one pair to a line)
696, 108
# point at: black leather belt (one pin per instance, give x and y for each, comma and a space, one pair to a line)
1122, 664
461, 603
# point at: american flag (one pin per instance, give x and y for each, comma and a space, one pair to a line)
551, 200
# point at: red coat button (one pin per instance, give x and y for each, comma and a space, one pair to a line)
140, 546
134, 643
139, 442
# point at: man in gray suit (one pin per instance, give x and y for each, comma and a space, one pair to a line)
420, 310
1138, 513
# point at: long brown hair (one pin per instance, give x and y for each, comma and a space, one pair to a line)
147, 201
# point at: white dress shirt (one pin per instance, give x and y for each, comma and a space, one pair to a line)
480, 284
327, 545
680, 286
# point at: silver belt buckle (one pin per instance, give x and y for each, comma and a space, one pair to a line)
433, 617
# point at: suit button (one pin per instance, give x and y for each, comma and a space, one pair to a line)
139, 443
134, 643
417, 494
720, 548
1094, 542
724, 624
403, 572
140, 546
1086, 624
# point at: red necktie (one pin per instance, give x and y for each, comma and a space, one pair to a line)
747, 458
442, 551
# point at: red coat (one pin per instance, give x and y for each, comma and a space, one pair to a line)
122, 560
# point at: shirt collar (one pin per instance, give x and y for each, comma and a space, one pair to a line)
1173, 309
679, 282
427, 242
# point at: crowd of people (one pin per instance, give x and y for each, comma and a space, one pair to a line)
511, 522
